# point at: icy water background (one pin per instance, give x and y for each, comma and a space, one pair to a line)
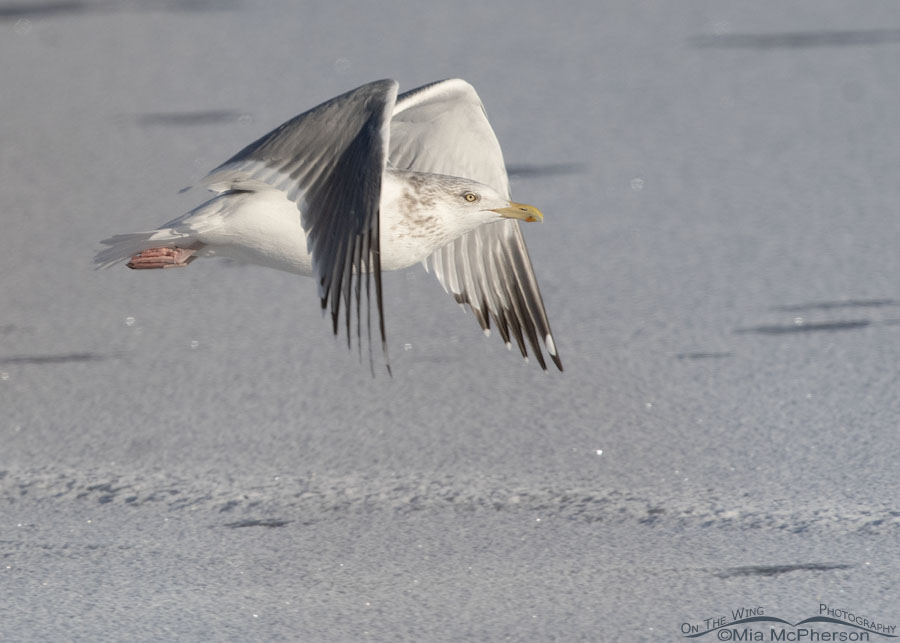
189, 455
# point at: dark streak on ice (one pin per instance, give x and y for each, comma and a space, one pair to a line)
806, 327
704, 355
269, 522
549, 169
797, 39
31, 10
20, 10
775, 570
53, 359
188, 118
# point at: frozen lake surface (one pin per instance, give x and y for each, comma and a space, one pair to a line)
189, 455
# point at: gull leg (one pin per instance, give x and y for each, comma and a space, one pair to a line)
162, 258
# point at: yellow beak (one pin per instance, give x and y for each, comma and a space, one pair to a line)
520, 211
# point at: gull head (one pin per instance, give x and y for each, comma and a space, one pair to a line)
421, 212
480, 203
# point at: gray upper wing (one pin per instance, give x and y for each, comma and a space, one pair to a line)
443, 128
330, 161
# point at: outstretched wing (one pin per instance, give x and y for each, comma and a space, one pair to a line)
443, 128
329, 161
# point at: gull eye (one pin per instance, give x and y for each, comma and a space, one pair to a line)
471, 197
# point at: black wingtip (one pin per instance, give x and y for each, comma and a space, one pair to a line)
334, 322
557, 361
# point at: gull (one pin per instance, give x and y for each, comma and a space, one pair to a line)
365, 182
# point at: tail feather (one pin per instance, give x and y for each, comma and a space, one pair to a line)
125, 246
185, 232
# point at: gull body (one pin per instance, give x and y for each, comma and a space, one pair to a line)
420, 212
365, 182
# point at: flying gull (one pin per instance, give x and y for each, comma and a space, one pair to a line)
365, 182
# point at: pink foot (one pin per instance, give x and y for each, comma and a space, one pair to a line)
162, 258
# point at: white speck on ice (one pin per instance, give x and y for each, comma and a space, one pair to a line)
342, 65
